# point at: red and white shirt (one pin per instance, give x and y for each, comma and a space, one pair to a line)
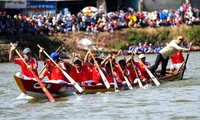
26, 71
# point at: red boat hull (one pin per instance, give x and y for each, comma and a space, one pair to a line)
32, 88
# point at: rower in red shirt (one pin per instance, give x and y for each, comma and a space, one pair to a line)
125, 72
96, 77
132, 73
109, 75
177, 60
32, 62
120, 77
46, 72
55, 72
84, 73
144, 75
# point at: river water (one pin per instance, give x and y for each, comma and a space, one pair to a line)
178, 100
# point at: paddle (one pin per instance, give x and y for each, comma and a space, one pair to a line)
46, 64
188, 53
148, 71
126, 79
137, 77
114, 79
179, 68
123, 56
51, 99
64, 73
101, 73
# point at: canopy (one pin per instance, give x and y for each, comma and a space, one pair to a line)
89, 9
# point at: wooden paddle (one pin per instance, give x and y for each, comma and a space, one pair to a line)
101, 73
126, 79
123, 56
148, 71
188, 53
46, 64
50, 97
114, 79
137, 79
64, 73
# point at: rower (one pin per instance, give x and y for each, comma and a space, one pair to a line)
32, 62
144, 76
55, 72
177, 61
122, 71
97, 79
84, 73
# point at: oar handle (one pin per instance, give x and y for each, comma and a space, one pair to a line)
95, 62
134, 69
40, 72
118, 52
119, 67
123, 56
111, 66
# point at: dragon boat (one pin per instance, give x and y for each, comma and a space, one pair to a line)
60, 88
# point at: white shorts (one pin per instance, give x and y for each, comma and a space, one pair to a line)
176, 66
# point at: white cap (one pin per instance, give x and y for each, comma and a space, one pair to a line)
141, 56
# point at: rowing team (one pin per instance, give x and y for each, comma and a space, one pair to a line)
85, 70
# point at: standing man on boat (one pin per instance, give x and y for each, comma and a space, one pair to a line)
32, 62
164, 55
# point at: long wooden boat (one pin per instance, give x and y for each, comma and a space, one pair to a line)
60, 88
31, 87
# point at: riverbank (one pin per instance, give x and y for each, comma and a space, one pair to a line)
102, 41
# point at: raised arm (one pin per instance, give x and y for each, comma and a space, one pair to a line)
11, 53
41, 55
106, 59
86, 57
78, 56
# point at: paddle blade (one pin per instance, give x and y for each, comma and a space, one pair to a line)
115, 85
104, 79
50, 97
128, 83
153, 77
72, 81
135, 81
139, 82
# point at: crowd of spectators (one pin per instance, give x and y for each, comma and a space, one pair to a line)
97, 21
146, 48
149, 48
